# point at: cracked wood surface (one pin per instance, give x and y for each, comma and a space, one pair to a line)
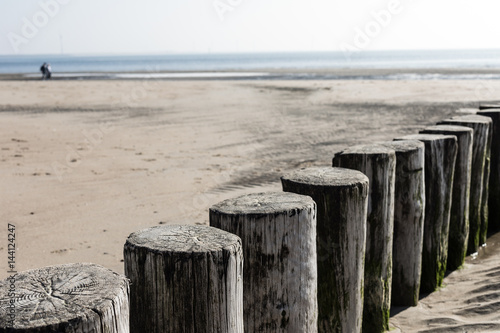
65, 298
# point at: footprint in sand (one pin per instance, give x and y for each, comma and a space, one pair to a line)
60, 251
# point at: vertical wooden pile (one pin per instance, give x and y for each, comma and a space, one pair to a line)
409, 206
493, 111
184, 279
378, 163
459, 214
71, 298
478, 217
440, 156
341, 196
278, 233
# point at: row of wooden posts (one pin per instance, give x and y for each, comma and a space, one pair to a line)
332, 253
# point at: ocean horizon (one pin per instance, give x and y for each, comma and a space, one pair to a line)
174, 65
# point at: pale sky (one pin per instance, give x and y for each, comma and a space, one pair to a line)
214, 26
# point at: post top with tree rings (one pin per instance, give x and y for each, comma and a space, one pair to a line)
404, 146
263, 203
427, 137
470, 118
326, 177
54, 295
488, 111
371, 149
448, 129
485, 106
182, 238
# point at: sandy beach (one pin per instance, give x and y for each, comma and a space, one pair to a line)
86, 163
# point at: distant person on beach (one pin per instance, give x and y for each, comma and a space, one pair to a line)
43, 69
46, 71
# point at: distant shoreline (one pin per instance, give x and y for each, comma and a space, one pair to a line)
278, 74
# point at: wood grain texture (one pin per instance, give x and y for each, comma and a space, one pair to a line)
459, 214
185, 279
409, 208
278, 233
71, 298
478, 217
378, 163
494, 182
440, 157
341, 196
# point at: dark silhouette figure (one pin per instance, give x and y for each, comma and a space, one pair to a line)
46, 71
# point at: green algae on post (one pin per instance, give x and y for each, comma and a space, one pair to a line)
341, 196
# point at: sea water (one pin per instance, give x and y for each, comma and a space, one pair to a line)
156, 65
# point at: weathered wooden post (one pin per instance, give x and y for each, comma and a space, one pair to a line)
341, 196
459, 214
278, 233
440, 156
487, 106
71, 298
478, 221
184, 279
378, 163
494, 183
409, 206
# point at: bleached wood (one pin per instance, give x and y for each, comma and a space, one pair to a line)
487, 106
278, 233
341, 196
409, 207
494, 182
71, 298
459, 214
440, 157
478, 218
378, 163
184, 279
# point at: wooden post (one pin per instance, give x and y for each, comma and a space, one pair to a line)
409, 206
478, 221
494, 183
459, 214
487, 106
341, 196
71, 298
184, 279
278, 233
378, 163
440, 156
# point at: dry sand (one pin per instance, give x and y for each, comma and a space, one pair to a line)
85, 163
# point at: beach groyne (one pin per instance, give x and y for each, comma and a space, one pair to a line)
327, 202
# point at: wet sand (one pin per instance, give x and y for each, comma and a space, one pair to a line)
85, 163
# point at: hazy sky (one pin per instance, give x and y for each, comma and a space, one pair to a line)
202, 26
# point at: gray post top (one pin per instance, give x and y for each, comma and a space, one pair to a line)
371, 149
470, 118
447, 129
57, 294
427, 137
487, 111
182, 238
404, 146
485, 106
326, 177
263, 203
